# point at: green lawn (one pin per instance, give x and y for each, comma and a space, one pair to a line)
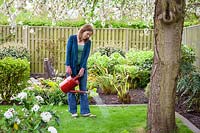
128, 119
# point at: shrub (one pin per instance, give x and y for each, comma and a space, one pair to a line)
105, 83
187, 60
189, 86
14, 74
189, 80
97, 64
15, 51
109, 50
50, 92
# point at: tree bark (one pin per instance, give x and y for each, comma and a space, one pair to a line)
168, 27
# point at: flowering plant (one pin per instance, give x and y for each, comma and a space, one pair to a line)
31, 116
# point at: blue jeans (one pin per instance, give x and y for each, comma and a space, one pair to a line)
84, 104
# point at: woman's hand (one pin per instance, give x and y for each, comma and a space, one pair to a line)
81, 72
68, 70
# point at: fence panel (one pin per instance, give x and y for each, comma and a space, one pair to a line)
50, 42
191, 37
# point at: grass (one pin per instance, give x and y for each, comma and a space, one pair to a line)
127, 119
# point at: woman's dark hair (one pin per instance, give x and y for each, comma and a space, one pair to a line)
86, 27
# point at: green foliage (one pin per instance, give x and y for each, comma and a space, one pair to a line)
143, 61
187, 60
123, 24
120, 83
32, 117
189, 79
140, 58
109, 50
105, 83
98, 64
14, 74
50, 92
15, 52
189, 87
39, 20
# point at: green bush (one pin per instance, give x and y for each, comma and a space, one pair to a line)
50, 92
187, 60
97, 64
14, 74
15, 52
188, 85
109, 50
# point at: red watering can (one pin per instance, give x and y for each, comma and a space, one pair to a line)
68, 84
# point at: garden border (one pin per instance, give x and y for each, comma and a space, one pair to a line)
185, 121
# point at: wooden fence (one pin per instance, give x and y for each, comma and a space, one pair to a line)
50, 42
191, 37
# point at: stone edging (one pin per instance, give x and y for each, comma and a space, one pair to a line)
183, 119
188, 123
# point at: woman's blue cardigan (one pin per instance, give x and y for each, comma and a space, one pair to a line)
72, 54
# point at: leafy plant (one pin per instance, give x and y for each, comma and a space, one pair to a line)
32, 117
50, 91
189, 80
15, 52
189, 87
187, 60
109, 50
120, 82
14, 74
105, 83
97, 64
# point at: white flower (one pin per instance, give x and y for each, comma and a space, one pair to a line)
12, 110
8, 114
1, 98
39, 99
52, 129
22, 95
17, 120
31, 31
35, 108
46, 116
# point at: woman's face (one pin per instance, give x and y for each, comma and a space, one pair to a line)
87, 34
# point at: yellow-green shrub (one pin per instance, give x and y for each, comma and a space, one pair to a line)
14, 74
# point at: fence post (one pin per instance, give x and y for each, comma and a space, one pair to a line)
25, 36
127, 39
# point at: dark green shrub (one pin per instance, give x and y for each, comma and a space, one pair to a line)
109, 50
187, 60
15, 52
14, 74
188, 85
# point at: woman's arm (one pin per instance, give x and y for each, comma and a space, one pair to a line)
68, 50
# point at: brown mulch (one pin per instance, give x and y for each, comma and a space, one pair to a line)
138, 97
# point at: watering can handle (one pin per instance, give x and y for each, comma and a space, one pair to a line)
76, 77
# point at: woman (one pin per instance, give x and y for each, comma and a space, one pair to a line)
77, 52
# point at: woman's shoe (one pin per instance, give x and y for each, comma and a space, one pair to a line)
75, 115
88, 115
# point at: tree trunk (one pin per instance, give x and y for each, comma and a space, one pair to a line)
168, 24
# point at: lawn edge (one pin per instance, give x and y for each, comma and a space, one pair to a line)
186, 122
